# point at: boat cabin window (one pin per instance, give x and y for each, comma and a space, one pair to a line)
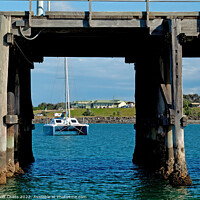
58, 121
73, 121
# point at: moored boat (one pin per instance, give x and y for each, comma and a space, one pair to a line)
66, 125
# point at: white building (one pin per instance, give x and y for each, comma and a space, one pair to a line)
57, 114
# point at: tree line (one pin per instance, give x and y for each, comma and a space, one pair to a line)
190, 111
50, 106
188, 99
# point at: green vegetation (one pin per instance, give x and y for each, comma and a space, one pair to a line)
105, 112
188, 109
88, 112
50, 106
192, 98
97, 112
193, 113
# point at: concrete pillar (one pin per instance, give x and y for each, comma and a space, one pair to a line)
17, 132
10, 138
159, 108
150, 137
26, 115
4, 56
179, 177
11, 111
164, 105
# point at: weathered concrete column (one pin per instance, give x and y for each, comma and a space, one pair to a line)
17, 131
154, 137
164, 102
4, 56
179, 177
159, 118
164, 106
26, 115
150, 135
11, 114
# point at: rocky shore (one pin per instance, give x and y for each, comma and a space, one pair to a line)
94, 120
104, 120
193, 121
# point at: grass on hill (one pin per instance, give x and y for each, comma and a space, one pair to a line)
98, 112
106, 112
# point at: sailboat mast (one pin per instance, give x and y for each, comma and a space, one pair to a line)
67, 101
66, 86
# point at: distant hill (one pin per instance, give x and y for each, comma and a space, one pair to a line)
192, 98
50, 106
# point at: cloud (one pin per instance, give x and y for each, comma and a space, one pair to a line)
191, 69
102, 68
61, 6
89, 78
194, 90
191, 75
106, 68
50, 66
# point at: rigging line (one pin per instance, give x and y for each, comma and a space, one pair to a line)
67, 100
79, 130
23, 54
33, 38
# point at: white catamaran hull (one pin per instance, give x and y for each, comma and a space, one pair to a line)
66, 129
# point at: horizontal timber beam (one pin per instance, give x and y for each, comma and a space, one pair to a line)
123, 14
190, 21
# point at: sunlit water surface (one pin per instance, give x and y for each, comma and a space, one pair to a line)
98, 166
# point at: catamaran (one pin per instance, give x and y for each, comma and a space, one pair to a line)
66, 125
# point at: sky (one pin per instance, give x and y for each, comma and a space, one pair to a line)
98, 78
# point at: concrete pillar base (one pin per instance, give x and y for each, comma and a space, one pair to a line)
169, 167
176, 179
18, 169
150, 154
2, 177
10, 170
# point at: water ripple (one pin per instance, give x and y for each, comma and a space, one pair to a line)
99, 166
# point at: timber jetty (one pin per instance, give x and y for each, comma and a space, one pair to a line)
154, 41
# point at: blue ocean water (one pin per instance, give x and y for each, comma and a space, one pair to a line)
98, 166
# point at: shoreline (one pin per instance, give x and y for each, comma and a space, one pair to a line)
93, 120
103, 120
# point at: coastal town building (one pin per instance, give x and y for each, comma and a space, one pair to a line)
39, 115
195, 105
115, 103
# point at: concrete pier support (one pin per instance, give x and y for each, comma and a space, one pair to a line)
4, 56
179, 176
26, 115
11, 112
17, 131
165, 105
150, 135
159, 107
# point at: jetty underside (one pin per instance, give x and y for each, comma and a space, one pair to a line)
155, 46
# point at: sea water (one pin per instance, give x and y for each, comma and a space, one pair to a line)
98, 166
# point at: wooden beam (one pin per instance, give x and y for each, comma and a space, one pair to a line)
165, 93
122, 14
16, 13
